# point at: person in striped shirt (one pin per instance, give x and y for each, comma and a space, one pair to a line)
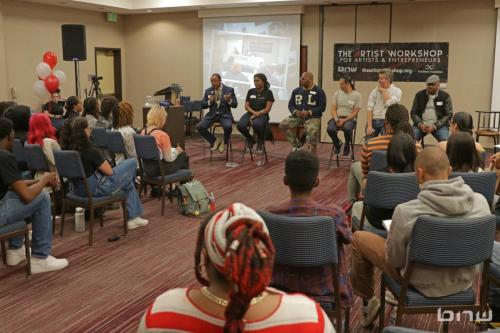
234, 261
396, 120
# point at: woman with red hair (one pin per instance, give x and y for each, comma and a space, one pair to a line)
41, 132
234, 262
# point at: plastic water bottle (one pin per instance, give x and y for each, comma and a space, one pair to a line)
79, 220
211, 202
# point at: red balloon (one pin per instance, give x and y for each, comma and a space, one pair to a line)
50, 58
51, 83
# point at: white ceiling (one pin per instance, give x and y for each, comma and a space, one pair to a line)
145, 6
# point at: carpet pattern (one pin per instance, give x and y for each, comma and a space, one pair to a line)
106, 288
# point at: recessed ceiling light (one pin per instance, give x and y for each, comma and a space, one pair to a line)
149, 11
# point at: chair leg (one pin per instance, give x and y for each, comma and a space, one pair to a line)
53, 211
125, 217
381, 318
347, 318
101, 216
4, 254
63, 215
338, 317
27, 249
91, 226
399, 313
338, 161
162, 189
331, 157
171, 189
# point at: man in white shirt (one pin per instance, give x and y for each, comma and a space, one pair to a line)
380, 98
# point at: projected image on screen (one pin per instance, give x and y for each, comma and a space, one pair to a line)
238, 48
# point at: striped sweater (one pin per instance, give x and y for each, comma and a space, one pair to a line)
174, 311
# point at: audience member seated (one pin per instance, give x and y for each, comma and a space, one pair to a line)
5, 105
462, 122
42, 133
173, 159
20, 116
20, 199
301, 176
462, 153
91, 111
234, 263
401, 155
102, 179
123, 124
52, 108
396, 120
109, 107
438, 197
494, 292
74, 107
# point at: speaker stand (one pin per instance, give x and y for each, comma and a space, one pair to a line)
77, 77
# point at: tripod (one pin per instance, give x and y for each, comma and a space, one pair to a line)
95, 89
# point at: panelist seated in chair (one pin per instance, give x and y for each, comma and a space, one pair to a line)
440, 197
102, 179
306, 105
258, 105
346, 104
20, 199
172, 159
431, 111
219, 99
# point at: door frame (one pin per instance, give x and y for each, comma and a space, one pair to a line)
117, 62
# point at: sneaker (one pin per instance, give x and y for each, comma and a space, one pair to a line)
137, 223
222, 147
370, 311
347, 150
15, 256
389, 298
337, 148
295, 148
48, 264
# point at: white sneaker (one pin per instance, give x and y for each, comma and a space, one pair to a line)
389, 298
15, 256
137, 223
370, 311
47, 265
216, 144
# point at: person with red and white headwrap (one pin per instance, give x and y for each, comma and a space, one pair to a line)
234, 260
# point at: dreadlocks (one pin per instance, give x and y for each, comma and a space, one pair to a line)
240, 249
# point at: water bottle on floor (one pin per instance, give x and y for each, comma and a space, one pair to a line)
211, 202
79, 219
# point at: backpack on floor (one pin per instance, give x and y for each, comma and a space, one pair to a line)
193, 198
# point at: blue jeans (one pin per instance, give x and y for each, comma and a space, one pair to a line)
441, 134
347, 128
258, 125
378, 128
122, 180
39, 209
204, 125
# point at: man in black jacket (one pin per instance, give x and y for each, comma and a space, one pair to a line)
431, 111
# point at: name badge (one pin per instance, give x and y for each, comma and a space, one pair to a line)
253, 96
439, 103
312, 92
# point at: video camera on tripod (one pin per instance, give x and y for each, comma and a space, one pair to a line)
95, 89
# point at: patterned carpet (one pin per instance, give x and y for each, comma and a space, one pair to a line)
107, 287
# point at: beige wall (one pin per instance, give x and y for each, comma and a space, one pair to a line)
469, 27
310, 37
106, 68
30, 30
162, 49
3, 67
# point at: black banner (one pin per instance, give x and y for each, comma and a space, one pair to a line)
410, 62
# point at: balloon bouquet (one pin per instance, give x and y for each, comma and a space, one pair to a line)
48, 81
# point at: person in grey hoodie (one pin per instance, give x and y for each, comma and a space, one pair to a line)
439, 196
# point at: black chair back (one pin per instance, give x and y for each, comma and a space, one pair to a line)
57, 123
387, 190
302, 241
480, 182
115, 143
452, 241
378, 161
69, 164
18, 151
99, 137
35, 158
146, 147
184, 99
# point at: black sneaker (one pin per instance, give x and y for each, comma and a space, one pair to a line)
250, 143
347, 150
337, 148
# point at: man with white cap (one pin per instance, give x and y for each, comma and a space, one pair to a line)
431, 111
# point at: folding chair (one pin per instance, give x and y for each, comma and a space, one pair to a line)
352, 147
264, 150
307, 242
488, 124
438, 242
147, 150
480, 182
115, 144
12, 230
69, 165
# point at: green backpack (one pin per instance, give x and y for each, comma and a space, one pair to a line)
193, 198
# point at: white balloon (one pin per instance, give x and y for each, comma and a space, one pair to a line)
42, 70
40, 90
60, 75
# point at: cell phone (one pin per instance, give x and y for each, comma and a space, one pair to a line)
113, 238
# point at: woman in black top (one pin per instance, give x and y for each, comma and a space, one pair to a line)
258, 105
102, 179
74, 107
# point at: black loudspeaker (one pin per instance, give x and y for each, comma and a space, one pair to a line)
73, 42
